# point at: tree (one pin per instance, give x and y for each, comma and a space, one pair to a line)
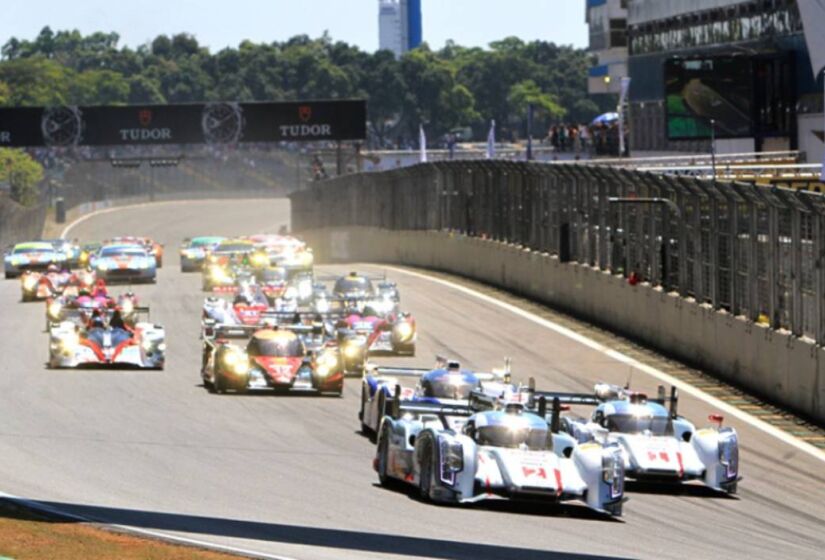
36, 81
22, 173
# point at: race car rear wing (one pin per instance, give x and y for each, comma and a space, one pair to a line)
246, 331
395, 408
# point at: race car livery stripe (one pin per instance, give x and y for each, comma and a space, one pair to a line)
681, 465
95, 348
559, 485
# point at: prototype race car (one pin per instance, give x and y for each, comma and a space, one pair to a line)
130, 263
270, 358
107, 340
366, 331
284, 251
194, 251
39, 286
35, 255
446, 383
454, 454
657, 444
80, 309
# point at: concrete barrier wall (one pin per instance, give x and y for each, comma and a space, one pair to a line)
785, 369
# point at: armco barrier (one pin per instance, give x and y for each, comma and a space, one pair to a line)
786, 369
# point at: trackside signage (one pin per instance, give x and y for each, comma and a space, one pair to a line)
203, 123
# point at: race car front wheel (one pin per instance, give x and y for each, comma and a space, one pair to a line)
383, 459
425, 480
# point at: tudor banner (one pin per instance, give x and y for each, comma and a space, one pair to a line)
209, 123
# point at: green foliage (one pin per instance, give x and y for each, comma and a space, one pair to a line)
446, 89
22, 173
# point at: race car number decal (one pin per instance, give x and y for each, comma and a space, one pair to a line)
530, 472
663, 455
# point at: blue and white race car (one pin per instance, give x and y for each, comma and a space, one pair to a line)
657, 444
33, 255
445, 384
457, 454
122, 262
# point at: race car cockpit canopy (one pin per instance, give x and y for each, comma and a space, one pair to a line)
633, 418
448, 384
275, 344
508, 429
353, 284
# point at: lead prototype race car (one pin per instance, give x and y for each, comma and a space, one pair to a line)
658, 444
106, 340
456, 454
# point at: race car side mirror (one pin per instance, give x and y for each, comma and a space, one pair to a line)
555, 421
716, 419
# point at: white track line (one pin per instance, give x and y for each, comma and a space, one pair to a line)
37, 506
625, 359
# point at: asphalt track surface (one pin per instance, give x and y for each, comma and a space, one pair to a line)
292, 477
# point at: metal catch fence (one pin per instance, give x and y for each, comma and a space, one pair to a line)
752, 251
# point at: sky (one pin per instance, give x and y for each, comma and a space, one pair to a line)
221, 23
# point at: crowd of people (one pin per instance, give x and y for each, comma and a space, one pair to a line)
600, 139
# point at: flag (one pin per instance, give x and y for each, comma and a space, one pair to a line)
422, 142
622, 99
813, 17
491, 141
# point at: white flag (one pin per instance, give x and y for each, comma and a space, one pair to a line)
622, 100
491, 141
422, 141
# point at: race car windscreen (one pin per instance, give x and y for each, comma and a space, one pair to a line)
350, 284
513, 437
123, 252
448, 387
273, 275
203, 242
275, 347
27, 250
632, 424
234, 248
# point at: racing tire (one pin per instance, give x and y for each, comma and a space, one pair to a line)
425, 479
218, 386
383, 459
382, 406
365, 430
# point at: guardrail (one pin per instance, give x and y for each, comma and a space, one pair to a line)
751, 251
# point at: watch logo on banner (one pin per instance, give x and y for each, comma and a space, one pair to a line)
305, 130
145, 133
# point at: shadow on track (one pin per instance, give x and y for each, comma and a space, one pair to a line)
674, 489
306, 536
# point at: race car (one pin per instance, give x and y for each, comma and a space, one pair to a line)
656, 443
237, 251
193, 252
152, 247
43, 285
241, 359
455, 454
246, 308
446, 383
130, 262
79, 281
366, 331
285, 251
33, 255
281, 285
107, 341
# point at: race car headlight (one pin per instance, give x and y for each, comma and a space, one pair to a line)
218, 274
452, 459
69, 341
352, 350
322, 306
54, 310
323, 370
305, 258
29, 283
260, 260
87, 279
290, 293
102, 266
328, 361
236, 362
729, 454
613, 473
147, 345
383, 305
404, 331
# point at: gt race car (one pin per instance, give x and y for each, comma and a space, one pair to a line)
194, 251
126, 263
657, 443
455, 454
35, 255
152, 247
242, 359
107, 341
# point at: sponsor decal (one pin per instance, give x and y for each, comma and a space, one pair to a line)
304, 113
144, 133
305, 130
